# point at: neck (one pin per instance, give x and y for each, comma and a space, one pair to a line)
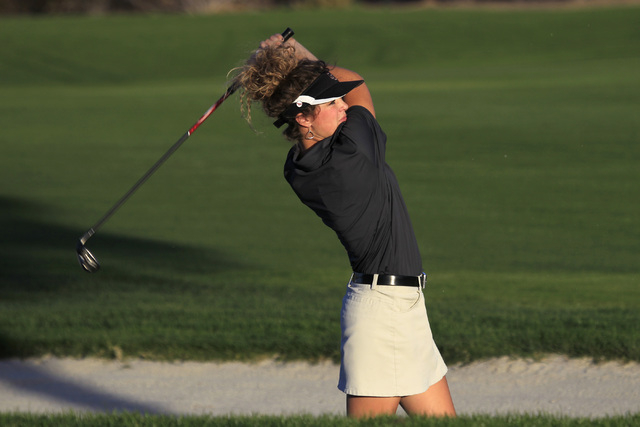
308, 143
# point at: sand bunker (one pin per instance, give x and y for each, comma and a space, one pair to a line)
555, 385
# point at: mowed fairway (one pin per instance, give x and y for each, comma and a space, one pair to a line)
514, 134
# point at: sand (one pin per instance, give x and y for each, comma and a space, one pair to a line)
554, 385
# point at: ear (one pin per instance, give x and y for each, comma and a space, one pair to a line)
303, 120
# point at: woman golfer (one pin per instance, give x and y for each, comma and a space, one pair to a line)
337, 168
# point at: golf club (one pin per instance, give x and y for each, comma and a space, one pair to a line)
86, 259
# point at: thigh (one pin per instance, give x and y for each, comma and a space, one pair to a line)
363, 406
436, 401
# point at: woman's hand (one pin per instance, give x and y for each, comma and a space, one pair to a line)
274, 40
301, 51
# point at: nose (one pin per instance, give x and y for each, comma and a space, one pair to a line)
343, 105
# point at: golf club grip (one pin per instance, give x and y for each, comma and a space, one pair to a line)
286, 34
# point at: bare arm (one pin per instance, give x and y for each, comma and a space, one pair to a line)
301, 51
358, 96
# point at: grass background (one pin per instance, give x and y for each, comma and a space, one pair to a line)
513, 133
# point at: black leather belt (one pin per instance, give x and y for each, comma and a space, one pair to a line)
390, 280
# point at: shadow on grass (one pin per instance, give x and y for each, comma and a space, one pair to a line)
39, 269
34, 379
38, 255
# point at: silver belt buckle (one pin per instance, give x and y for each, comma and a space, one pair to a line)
423, 280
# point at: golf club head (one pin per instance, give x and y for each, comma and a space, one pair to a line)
86, 259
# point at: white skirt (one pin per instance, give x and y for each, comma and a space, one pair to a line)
387, 347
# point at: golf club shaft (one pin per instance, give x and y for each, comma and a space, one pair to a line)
286, 35
156, 165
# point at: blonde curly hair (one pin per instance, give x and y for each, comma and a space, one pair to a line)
274, 77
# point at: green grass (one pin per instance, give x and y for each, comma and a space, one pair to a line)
514, 136
135, 420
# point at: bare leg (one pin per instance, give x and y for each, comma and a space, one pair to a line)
436, 401
364, 407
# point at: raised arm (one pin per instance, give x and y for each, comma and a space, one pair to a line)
358, 96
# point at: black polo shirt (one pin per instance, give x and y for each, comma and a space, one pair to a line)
346, 181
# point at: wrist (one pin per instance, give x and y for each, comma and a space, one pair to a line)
301, 51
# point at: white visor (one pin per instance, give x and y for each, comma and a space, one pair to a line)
306, 99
